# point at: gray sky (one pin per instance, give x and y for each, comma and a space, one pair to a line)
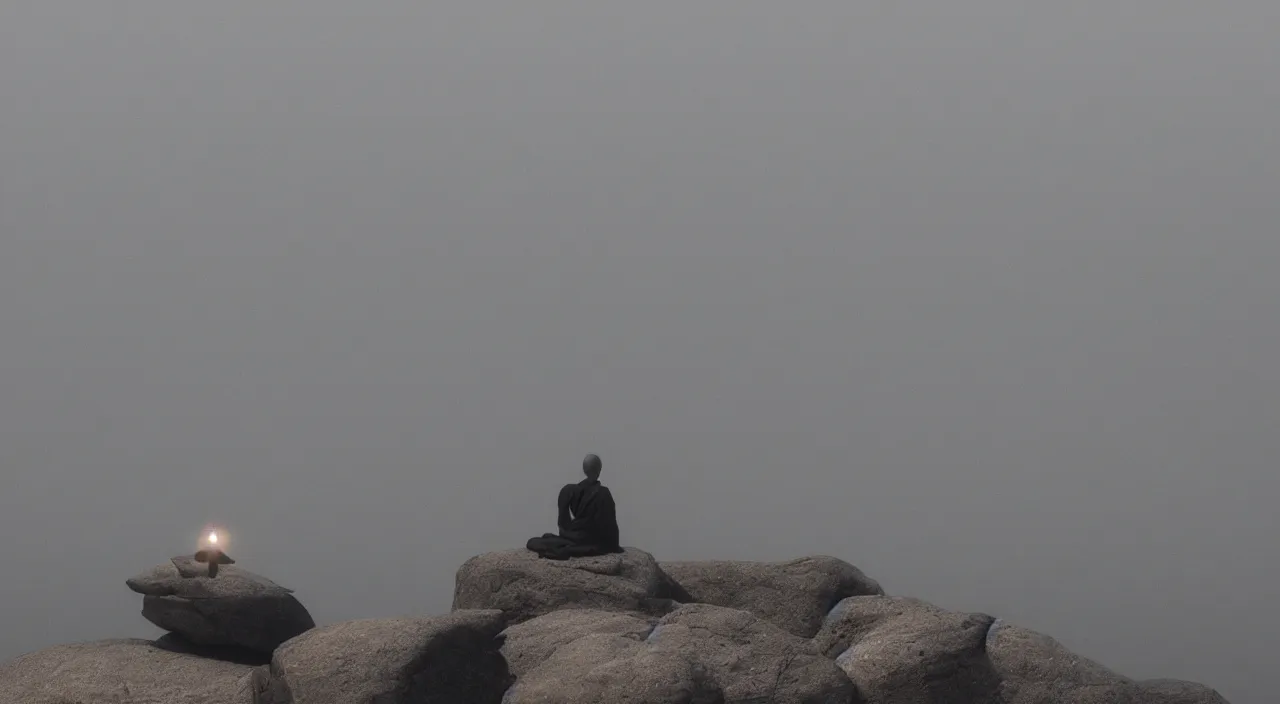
978, 296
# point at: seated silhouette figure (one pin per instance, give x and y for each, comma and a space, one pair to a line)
588, 519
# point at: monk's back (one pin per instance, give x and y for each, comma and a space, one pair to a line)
593, 518
588, 519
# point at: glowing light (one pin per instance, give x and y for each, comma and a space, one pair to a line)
213, 537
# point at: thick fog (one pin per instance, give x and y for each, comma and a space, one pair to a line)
980, 297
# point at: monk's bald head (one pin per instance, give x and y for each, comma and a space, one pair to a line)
591, 466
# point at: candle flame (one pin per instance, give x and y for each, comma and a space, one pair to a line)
213, 537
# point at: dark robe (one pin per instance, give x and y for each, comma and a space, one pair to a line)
587, 520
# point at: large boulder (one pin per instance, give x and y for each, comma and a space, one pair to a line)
236, 608
897, 649
1036, 669
524, 586
124, 671
529, 644
696, 653
794, 595
751, 659
602, 668
450, 659
600, 657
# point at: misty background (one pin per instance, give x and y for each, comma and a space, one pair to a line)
980, 297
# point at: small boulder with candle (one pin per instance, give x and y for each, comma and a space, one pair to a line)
192, 598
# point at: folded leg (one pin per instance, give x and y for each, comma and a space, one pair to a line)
550, 546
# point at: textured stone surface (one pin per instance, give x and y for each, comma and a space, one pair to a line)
608, 667
897, 649
795, 595
1169, 691
125, 671
697, 653
236, 608
523, 586
613, 628
527, 645
751, 659
450, 659
1036, 669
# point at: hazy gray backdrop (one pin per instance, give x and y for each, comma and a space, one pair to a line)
980, 296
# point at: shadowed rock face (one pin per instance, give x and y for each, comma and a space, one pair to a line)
524, 586
175, 643
237, 608
795, 595
451, 659
125, 671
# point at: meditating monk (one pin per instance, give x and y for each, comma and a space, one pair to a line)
588, 519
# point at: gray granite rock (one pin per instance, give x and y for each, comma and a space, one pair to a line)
236, 608
529, 644
450, 659
697, 653
524, 586
609, 667
612, 628
795, 595
1036, 669
124, 671
751, 659
898, 649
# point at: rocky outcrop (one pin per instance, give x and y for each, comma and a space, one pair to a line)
1034, 668
524, 586
795, 595
236, 608
124, 671
696, 653
578, 655
528, 645
749, 658
612, 628
450, 659
897, 649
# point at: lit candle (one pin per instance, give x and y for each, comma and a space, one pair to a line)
213, 551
